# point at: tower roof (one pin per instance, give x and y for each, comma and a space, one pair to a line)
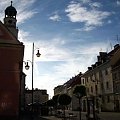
10, 11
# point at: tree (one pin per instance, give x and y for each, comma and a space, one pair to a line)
50, 104
55, 99
79, 92
64, 100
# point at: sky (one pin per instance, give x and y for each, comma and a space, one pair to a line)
69, 34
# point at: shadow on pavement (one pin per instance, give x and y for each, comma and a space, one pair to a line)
40, 118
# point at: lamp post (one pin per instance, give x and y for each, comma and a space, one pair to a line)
27, 67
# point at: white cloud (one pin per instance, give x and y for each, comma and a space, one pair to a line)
85, 28
74, 61
90, 17
23, 35
24, 11
53, 52
70, 61
109, 21
95, 5
21, 17
55, 17
118, 2
85, 1
3, 5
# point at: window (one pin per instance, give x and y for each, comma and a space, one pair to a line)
86, 79
108, 99
107, 85
115, 76
119, 75
91, 89
102, 87
96, 88
103, 100
88, 90
83, 81
106, 72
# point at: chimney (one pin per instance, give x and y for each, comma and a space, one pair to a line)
89, 68
80, 73
93, 66
103, 56
116, 46
98, 63
99, 58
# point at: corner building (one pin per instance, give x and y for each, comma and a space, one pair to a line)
101, 83
11, 62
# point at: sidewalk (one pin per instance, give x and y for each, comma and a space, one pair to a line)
40, 118
103, 116
35, 118
75, 116
51, 118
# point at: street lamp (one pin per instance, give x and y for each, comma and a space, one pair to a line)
27, 67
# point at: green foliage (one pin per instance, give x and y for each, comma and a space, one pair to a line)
50, 103
79, 91
64, 99
55, 99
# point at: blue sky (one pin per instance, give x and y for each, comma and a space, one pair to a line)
69, 33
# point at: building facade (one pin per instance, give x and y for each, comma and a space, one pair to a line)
11, 60
102, 81
22, 92
58, 90
99, 82
68, 88
116, 79
39, 96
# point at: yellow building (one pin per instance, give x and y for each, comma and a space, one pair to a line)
99, 81
102, 81
115, 61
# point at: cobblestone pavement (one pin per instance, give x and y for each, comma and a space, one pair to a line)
35, 118
103, 116
51, 118
110, 116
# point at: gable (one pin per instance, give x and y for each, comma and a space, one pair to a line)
6, 36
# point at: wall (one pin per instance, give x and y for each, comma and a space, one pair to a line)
10, 58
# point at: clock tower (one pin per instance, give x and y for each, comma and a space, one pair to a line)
10, 19
11, 67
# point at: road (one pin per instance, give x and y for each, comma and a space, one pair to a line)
103, 115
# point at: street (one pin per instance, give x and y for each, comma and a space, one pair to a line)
103, 116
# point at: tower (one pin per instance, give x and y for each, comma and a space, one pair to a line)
10, 19
11, 66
